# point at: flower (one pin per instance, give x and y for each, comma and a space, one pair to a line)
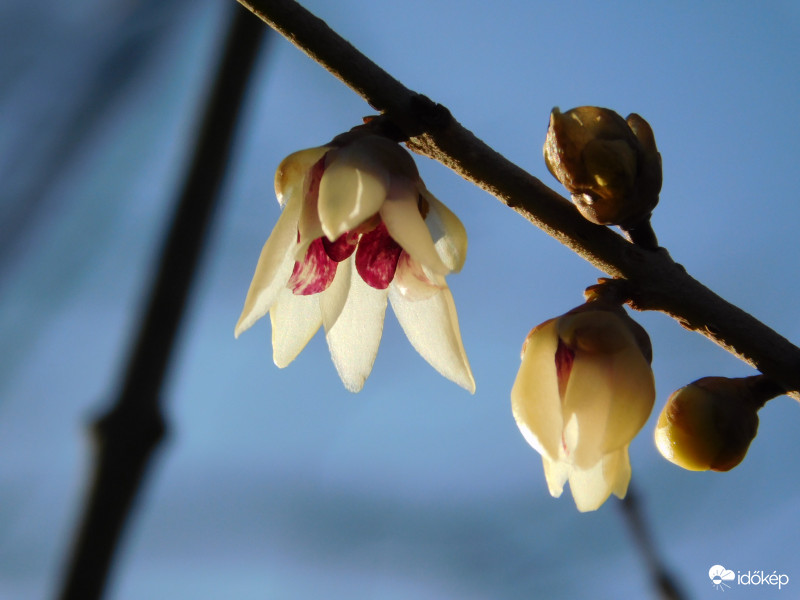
359, 228
583, 391
710, 423
610, 165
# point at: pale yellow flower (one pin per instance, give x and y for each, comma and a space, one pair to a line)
359, 229
583, 391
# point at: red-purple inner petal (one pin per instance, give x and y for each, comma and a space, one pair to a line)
342, 247
565, 356
376, 257
315, 273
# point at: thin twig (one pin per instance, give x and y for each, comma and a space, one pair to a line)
656, 282
664, 583
127, 435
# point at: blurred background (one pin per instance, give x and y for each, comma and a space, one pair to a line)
281, 484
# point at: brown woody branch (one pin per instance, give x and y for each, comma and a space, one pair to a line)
653, 280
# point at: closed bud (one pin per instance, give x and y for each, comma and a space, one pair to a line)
610, 165
709, 424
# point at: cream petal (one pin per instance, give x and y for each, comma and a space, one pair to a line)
274, 267
400, 213
535, 401
332, 300
308, 227
556, 474
295, 320
569, 439
412, 282
447, 231
592, 487
617, 471
291, 175
634, 396
589, 487
588, 397
431, 326
353, 188
355, 334
612, 394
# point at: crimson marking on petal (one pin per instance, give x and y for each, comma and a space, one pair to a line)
565, 356
315, 176
315, 273
342, 247
376, 257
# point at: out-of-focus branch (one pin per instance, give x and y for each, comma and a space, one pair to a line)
663, 581
126, 436
654, 280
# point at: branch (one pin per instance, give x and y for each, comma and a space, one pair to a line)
128, 434
654, 280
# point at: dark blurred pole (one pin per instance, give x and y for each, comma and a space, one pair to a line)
665, 583
127, 435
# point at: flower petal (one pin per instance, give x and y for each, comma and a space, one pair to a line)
617, 471
332, 300
290, 177
611, 387
376, 257
535, 401
447, 231
274, 266
405, 224
612, 396
342, 247
355, 334
592, 487
589, 487
352, 189
314, 273
411, 281
431, 326
556, 473
295, 319
634, 396
588, 399
308, 227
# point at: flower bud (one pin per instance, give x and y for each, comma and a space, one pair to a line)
610, 165
709, 423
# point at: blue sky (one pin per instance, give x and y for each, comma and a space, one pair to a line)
280, 483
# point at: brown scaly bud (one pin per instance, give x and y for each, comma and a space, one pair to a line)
709, 424
610, 165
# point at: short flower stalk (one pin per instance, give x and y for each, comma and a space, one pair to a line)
358, 230
584, 390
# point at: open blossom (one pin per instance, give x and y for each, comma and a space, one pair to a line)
583, 391
359, 228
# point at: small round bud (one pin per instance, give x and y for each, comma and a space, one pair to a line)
709, 424
610, 165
